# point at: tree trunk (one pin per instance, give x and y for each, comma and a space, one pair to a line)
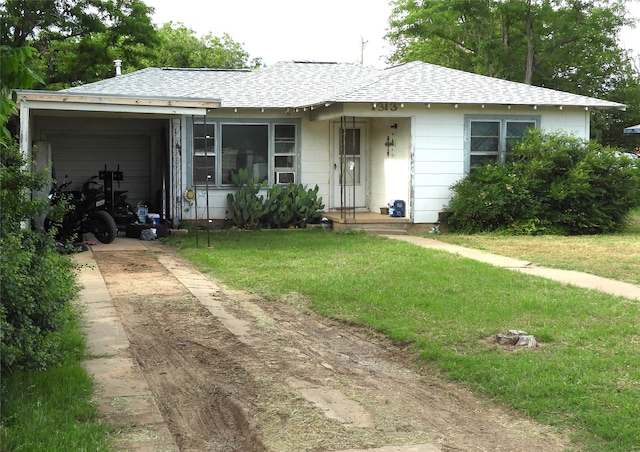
530, 62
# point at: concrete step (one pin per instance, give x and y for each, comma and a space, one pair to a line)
382, 231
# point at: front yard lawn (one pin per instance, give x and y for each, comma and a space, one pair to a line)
584, 377
615, 256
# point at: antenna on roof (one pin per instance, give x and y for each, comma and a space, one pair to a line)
363, 44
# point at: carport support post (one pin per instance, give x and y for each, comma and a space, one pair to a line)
206, 183
195, 185
24, 141
25, 149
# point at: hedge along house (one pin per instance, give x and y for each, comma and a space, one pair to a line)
365, 136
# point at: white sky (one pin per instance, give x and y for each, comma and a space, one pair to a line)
287, 30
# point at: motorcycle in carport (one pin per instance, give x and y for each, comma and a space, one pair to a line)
84, 213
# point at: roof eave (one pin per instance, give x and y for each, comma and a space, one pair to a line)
50, 100
612, 106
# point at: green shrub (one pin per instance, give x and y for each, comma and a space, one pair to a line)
551, 183
36, 283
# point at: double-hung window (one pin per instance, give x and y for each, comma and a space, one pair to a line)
204, 156
284, 155
491, 138
484, 143
267, 150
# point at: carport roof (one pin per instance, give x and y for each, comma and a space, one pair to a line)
302, 84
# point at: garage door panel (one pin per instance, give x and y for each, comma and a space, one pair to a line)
82, 156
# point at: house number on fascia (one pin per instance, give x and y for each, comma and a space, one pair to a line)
384, 106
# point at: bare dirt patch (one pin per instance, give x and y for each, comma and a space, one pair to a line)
239, 373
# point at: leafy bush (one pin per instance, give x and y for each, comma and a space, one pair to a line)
551, 184
36, 283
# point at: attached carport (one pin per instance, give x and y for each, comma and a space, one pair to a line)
80, 135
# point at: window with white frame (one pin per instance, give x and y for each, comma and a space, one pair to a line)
490, 139
204, 156
268, 151
284, 154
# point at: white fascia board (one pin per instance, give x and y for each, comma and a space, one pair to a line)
110, 108
57, 100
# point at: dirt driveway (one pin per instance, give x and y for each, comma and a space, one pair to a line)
232, 372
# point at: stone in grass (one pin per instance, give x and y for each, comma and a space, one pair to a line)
517, 337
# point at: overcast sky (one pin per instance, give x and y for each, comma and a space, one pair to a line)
287, 30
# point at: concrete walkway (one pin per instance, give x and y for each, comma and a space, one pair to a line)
585, 280
124, 396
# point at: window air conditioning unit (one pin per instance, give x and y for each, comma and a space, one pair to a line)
285, 177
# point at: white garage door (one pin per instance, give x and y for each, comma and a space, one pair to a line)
82, 156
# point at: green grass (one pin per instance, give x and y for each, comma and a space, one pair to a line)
51, 410
614, 256
584, 378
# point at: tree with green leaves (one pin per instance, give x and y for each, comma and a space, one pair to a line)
14, 73
77, 40
607, 125
36, 284
180, 47
568, 45
552, 43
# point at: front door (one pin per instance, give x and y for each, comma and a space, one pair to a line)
349, 165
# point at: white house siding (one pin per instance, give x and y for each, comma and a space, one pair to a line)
439, 154
571, 120
315, 155
438, 159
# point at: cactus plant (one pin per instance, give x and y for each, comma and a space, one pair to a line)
291, 206
246, 206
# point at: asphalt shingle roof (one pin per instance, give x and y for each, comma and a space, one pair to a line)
301, 84
165, 82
